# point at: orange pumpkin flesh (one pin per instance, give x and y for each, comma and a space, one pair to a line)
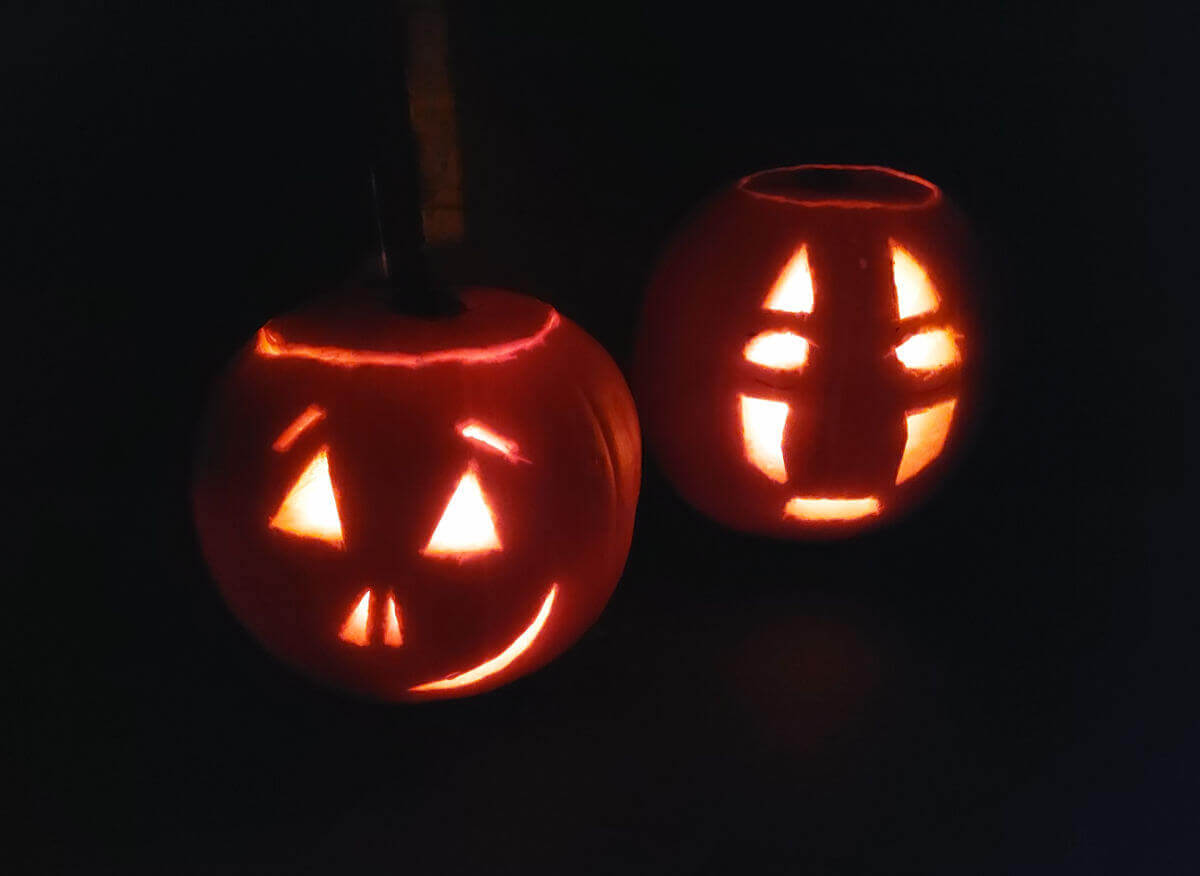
802, 366
414, 508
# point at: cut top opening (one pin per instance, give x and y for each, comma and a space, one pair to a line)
842, 185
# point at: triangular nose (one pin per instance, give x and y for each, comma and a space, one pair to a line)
363, 619
393, 629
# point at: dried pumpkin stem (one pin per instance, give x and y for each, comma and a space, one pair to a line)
415, 179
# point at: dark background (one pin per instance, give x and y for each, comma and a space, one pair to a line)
1005, 682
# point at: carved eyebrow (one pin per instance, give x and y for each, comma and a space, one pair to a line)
312, 414
473, 430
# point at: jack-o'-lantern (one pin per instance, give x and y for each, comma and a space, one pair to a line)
802, 367
413, 507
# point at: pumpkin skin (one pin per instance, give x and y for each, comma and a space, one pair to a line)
337, 443
772, 366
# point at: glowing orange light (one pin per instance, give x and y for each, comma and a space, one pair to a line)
355, 630
270, 343
927, 431
466, 526
490, 667
392, 635
310, 508
930, 350
803, 508
476, 431
312, 414
914, 292
783, 351
793, 291
763, 422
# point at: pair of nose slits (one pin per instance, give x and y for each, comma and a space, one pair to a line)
364, 621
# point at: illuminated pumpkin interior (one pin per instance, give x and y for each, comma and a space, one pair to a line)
310, 507
930, 350
781, 350
793, 290
806, 508
473, 430
466, 526
927, 431
312, 414
914, 291
516, 648
357, 628
393, 635
763, 422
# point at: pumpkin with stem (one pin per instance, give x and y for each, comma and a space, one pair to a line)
415, 507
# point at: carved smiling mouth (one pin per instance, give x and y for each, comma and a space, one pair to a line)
813, 508
499, 662
357, 631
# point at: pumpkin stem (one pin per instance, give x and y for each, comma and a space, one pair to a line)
414, 176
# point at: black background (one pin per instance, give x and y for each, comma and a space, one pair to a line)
1002, 683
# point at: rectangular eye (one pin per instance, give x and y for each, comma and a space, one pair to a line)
929, 351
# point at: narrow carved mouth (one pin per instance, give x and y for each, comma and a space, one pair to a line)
813, 508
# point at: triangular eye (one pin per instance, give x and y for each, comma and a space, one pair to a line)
793, 290
914, 292
310, 508
466, 526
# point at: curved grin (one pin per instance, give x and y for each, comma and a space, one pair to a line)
495, 664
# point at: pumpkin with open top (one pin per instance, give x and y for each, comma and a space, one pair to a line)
412, 507
804, 363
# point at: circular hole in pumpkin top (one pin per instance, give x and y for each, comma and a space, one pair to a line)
842, 185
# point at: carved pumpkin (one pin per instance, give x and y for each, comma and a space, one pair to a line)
415, 508
801, 368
